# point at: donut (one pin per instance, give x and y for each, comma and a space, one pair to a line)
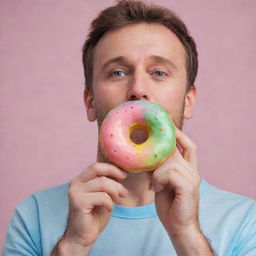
116, 130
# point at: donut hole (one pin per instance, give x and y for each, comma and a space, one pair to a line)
139, 133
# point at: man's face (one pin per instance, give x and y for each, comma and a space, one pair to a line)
140, 62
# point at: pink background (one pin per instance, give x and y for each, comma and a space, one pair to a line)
45, 136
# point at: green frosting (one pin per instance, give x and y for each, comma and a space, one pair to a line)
163, 133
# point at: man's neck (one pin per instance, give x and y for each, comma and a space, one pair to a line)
137, 184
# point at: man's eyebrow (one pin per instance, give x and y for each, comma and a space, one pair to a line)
159, 59
125, 61
119, 59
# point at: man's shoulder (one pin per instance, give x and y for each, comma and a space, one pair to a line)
52, 198
218, 194
59, 191
228, 219
38, 221
215, 198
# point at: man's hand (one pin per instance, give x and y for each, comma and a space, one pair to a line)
177, 184
92, 195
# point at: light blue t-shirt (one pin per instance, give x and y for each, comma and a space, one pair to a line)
227, 220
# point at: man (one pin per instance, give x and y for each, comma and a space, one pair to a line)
136, 52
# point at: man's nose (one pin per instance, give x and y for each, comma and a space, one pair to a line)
138, 88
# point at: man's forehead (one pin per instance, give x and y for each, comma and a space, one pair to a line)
140, 43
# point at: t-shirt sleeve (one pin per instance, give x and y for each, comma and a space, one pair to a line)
23, 234
247, 238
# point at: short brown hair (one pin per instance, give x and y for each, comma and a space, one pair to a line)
131, 12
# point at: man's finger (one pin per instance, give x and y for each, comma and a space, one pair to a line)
189, 149
105, 184
100, 169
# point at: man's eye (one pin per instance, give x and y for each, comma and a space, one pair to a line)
160, 73
117, 73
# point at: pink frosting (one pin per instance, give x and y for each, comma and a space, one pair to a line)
115, 136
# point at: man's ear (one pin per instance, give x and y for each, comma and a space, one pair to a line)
89, 104
190, 99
